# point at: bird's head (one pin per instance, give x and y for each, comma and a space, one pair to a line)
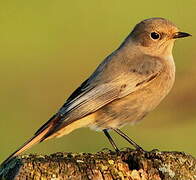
156, 36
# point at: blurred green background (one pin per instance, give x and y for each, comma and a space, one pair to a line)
47, 48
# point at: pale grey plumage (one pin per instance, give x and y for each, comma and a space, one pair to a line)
127, 85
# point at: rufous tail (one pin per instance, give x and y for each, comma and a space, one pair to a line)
34, 140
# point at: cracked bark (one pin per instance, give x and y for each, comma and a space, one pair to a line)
107, 165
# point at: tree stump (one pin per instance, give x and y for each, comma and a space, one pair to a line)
105, 165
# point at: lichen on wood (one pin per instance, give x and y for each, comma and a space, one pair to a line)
105, 165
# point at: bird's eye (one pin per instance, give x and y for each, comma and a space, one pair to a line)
154, 35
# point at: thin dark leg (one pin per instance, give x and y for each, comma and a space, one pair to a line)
128, 139
111, 140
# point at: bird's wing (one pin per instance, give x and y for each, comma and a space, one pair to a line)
96, 92
102, 89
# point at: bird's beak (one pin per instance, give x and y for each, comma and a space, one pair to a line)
181, 35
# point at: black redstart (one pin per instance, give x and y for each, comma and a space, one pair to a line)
123, 89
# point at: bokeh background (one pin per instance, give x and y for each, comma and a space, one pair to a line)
47, 48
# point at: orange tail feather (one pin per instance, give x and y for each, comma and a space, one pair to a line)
34, 140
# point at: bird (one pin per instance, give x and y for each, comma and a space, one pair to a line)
127, 85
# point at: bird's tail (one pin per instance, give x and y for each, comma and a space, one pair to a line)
54, 127
32, 141
39, 136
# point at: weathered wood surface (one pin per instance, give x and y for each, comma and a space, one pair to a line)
106, 165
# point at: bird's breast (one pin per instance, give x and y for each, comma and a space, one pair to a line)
156, 91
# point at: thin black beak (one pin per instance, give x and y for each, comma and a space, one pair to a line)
181, 35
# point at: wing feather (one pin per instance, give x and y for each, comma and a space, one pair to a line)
95, 94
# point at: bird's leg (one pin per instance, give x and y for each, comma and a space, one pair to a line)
111, 140
128, 139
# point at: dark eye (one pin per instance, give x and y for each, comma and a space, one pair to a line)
154, 35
